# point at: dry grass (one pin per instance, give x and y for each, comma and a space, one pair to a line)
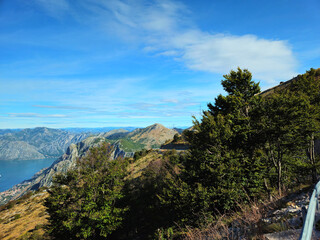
136, 168
23, 217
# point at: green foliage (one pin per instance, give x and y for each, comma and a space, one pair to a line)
146, 213
83, 202
164, 234
11, 204
172, 156
224, 166
243, 147
289, 125
130, 146
140, 154
176, 138
275, 227
16, 216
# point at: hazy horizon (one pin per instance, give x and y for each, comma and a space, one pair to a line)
114, 127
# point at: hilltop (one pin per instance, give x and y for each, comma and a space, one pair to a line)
286, 84
152, 136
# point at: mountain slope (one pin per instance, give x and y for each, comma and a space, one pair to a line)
152, 136
32, 215
115, 134
67, 161
17, 150
285, 84
36, 143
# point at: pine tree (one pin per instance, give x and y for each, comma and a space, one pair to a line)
224, 166
83, 202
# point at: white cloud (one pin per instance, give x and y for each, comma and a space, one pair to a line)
268, 60
165, 28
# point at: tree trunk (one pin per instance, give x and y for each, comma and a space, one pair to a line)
279, 178
279, 163
312, 159
267, 188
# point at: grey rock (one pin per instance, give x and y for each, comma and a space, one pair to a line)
290, 234
10, 150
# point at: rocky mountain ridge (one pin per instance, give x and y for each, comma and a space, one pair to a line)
67, 161
144, 137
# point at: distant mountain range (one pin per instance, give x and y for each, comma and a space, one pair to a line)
41, 142
96, 130
5, 131
124, 143
36, 143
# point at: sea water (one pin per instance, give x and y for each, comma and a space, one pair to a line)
13, 172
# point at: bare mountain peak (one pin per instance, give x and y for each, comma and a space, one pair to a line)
156, 126
153, 135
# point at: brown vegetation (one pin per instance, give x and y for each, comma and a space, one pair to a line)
245, 223
24, 217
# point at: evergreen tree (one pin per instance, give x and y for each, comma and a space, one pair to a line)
83, 202
307, 87
289, 121
223, 166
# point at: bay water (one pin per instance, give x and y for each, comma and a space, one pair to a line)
13, 172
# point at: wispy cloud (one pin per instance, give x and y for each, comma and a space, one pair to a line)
171, 100
166, 28
64, 107
268, 59
142, 106
55, 8
36, 115
80, 72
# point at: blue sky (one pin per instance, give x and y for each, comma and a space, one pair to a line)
95, 63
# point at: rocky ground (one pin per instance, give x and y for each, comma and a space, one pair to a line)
286, 222
276, 219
